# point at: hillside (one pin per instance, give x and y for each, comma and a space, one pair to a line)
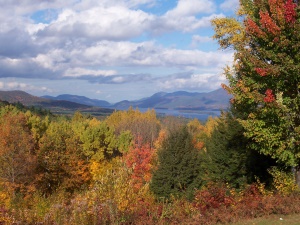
56, 106
22, 97
30, 100
181, 100
79, 99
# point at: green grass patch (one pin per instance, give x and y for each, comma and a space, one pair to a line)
273, 220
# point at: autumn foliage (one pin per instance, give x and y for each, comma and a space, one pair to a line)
264, 78
79, 170
140, 160
138, 168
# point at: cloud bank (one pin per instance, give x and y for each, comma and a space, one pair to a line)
111, 42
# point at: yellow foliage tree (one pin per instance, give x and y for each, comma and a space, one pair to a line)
113, 185
143, 126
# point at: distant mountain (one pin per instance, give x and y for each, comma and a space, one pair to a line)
79, 99
20, 96
181, 100
30, 100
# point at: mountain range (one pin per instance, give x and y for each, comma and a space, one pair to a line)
55, 106
30, 100
180, 100
79, 99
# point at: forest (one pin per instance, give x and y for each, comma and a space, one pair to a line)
134, 168
138, 168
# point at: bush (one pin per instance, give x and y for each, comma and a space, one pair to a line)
283, 182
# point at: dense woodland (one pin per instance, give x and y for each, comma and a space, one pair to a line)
137, 168
133, 168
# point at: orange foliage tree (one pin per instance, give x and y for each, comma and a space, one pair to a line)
140, 159
17, 156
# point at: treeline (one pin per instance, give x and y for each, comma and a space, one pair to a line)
128, 168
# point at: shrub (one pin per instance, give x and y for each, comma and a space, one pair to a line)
283, 182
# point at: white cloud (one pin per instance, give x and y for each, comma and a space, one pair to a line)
24, 67
81, 72
196, 58
201, 39
98, 23
76, 30
187, 16
58, 63
192, 82
113, 20
118, 79
29, 6
186, 8
20, 45
185, 24
14, 85
148, 54
136, 3
81, 5
197, 40
84, 38
230, 5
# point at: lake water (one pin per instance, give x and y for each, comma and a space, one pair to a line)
200, 115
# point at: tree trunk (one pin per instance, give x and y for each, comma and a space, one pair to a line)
296, 171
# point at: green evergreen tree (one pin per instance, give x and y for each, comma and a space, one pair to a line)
226, 153
228, 160
178, 172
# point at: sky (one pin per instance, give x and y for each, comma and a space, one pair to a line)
111, 50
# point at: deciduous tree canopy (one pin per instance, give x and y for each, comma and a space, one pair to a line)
265, 78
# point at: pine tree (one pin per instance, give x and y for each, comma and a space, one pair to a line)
178, 172
227, 158
226, 153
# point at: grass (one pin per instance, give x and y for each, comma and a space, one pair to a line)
273, 220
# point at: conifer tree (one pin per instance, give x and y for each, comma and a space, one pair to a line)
178, 172
227, 159
226, 154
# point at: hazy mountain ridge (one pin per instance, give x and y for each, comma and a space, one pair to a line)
180, 100
20, 96
30, 100
57, 106
79, 99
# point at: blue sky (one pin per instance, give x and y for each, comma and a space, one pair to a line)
111, 49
